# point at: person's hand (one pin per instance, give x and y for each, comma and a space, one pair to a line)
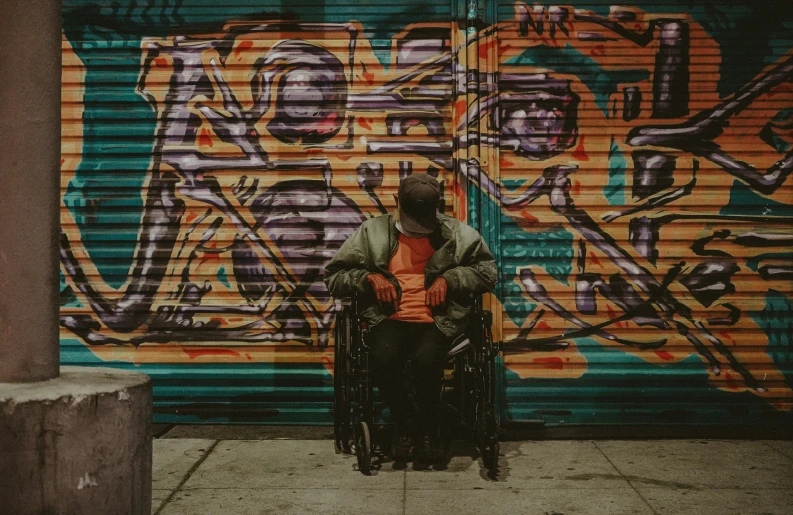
436, 295
383, 289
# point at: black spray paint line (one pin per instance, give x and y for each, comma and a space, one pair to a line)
538, 293
161, 221
657, 201
234, 126
750, 381
555, 179
697, 134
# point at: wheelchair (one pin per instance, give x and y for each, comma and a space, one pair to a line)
469, 390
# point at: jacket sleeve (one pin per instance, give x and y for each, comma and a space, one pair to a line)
345, 274
476, 274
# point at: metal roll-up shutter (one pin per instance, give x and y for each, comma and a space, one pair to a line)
642, 145
600, 150
215, 156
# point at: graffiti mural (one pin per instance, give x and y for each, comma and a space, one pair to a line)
253, 134
634, 164
636, 196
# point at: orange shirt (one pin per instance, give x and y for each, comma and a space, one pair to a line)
408, 265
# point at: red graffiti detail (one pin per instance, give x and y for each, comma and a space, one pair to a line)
194, 352
576, 189
594, 259
664, 355
368, 77
221, 321
528, 217
326, 361
484, 49
242, 46
364, 124
460, 108
613, 315
551, 363
580, 153
160, 62
598, 50
543, 325
458, 191
204, 139
209, 256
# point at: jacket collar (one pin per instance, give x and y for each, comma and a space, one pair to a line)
438, 237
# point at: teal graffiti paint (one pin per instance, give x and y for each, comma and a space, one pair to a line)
614, 191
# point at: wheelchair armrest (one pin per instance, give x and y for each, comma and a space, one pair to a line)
351, 303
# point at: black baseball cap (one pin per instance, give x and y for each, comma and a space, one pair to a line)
419, 196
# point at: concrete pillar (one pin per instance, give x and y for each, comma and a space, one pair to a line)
72, 440
80, 443
30, 130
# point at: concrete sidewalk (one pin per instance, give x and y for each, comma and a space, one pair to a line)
560, 477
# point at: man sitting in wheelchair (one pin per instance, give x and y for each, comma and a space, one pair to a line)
415, 274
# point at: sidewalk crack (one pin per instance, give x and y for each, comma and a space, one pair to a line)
187, 476
625, 478
783, 453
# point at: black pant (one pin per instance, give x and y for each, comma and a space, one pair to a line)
391, 344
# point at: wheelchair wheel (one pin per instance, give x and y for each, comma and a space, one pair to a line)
487, 438
490, 456
363, 448
486, 424
342, 423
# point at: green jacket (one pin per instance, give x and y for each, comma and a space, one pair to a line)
461, 257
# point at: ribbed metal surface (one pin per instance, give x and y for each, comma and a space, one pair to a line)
214, 158
663, 135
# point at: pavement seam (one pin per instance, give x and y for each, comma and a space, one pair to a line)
777, 450
187, 476
625, 478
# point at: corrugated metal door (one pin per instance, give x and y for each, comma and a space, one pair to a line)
641, 145
214, 160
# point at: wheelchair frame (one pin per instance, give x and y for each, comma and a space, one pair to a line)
474, 354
